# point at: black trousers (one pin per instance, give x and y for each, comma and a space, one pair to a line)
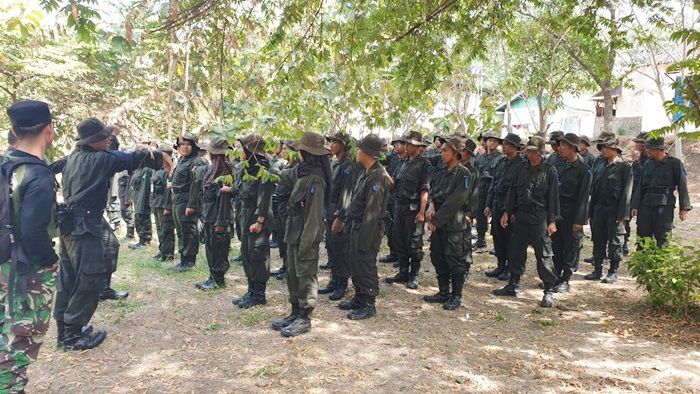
534, 235
388, 225
607, 234
566, 245
82, 277
165, 226
186, 227
482, 224
127, 212
408, 240
501, 238
339, 252
144, 227
363, 265
655, 222
216, 247
255, 250
110, 243
448, 251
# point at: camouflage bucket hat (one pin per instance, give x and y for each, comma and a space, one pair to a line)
371, 145
656, 144
218, 146
253, 143
571, 139
641, 137
490, 135
188, 137
341, 137
456, 144
311, 142
555, 136
536, 143
513, 139
415, 138
469, 145
586, 140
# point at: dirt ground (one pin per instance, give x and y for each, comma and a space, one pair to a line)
169, 337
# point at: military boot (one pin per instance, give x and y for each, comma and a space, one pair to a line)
208, 284
511, 289
75, 339
390, 258
548, 299
61, 335
330, 287
279, 270
494, 273
129, 233
455, 300
279, 324
612, 272
245, 296
443, 293
351, 304
401, 276
219, 279
282, 274
341, 287
562, 285
597, 273
300, 325
326, 266
139, 245
182, 266
108, 293
365, 311
257, 297
158, 257
505, 275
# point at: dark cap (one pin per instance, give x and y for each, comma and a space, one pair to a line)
655, 143
344, 138
415, 138
401, 139
29, 113
585, 140
255, 144
90, 131
611, 143
188, 137
571, 139
513, 139
456, 144
641, 137
490, 135
217, 146
604, 136
469, 145
536, 143
555, 136
371, 144
311, 142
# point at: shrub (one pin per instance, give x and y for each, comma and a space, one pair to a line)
670, 274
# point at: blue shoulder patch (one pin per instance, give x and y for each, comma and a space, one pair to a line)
590, 174
347, 171
466, 182
558, 180
375, 187
312, 189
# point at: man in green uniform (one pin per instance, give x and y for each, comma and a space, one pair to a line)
392, 164
125, 205
256, 221
412, 187
532, 208
586, 156
641, 148
305, 229
574, 191
555, 158
654, 200
161, 204
141, 196
216, 214
609, 210
503, 173
363, 221
83, 269
485, 163
466, 161
186, 194
447, 220
344, 171
28, 262
282, 194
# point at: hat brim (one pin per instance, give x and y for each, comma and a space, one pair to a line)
569, 142
101, 136
513, 143
416, 142
655, 147
332, 138
298, 145
194, 144
371, 152
217, 150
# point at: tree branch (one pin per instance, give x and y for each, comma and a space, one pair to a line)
444, 6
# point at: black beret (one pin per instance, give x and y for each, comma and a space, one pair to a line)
29, 113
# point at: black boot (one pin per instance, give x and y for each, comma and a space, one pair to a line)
511, 289
401, 276
455, 300
494, 273
60, 333
158, 257
279, 324
245, 296
330, 287
108, 293
183, 266
257, 297
612, 272
351, 304
208, 284
139, 245
597, 273
341, 287
412, 282
548, 299
562, 285
283, 274
279, 270
443, 293
75, 339
505, 275
300, 325
413, 274
589, 260
238, 258
219, 279
365, 311
129, 233
390, 258
326, 266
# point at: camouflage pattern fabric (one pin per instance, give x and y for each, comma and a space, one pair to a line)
21, 334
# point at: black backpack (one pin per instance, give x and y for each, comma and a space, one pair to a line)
7, 230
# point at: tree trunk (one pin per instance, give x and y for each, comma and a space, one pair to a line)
608, 108
186, 90
509, 116
543, 113
171, 74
